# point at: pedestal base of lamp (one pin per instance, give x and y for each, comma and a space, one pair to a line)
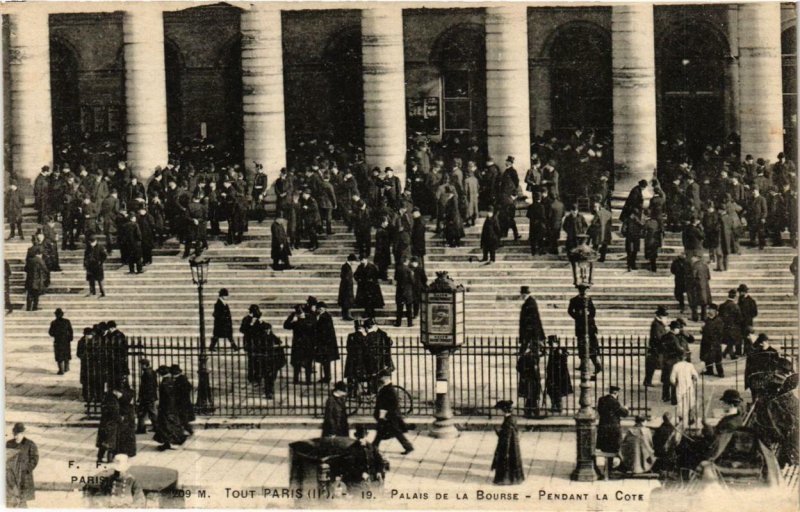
205, 402
585, 433
444, 428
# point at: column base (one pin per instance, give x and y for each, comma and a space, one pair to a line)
585, 432
444, 429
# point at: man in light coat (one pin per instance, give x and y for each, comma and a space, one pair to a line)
684, 382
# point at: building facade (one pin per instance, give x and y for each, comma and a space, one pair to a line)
258, 78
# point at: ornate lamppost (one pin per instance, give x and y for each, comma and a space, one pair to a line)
442, 332
582, 260
205, 401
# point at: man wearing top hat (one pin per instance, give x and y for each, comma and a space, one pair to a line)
586, 328
14, 201
507, 460
658, 328
148, 396
747, 306
531, 331
509, 180
733, 418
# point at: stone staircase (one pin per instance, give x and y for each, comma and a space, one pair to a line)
163, 300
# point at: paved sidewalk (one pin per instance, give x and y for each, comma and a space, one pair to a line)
221, 461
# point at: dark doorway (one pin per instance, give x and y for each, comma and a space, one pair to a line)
460, 54
690, 67
789, 55
343, 71
580, 79
233, 137
173, 65
64, 94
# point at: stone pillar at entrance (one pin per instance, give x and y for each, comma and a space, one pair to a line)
145, 89
633, 72
384, 88
760, 98
29, 67
262, 88
507, 93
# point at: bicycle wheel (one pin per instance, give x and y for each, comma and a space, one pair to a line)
404, 401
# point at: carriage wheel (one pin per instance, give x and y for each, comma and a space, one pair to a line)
404, 401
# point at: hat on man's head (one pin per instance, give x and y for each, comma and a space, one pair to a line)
175, 369
761, 339
524, 290
18, 428
361, 431
743, 288
661, 311
613, 389
675, 324
731, 397
163, 370
731, 293
321, 305
504, 405
509, 159
145, 362
640, 418
642, 183
369, 323
340, 386
352, 257
311, 300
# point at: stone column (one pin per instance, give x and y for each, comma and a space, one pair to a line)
760, 98
732, 72
145, 89
31, 115
262, 88
384, 88
633, 71
507, 93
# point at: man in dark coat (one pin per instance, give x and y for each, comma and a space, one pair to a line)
654, 359
146, 224
635, 200
272, 357
169, 429
250, 328
558, 382
383, 248
757, 218
363, 463
356, 364
93, 260
574, 226
108, 430
555, 215
609, 412
334, 422
713, 332
148, 396
701, 289
731, 317
671, 354
680, 268
310, 220
362, 229
404, 293
490, 237
379, 352
531, 331
326, 347
537, 231
368, 294
130, 242
420, 283
599, 230
346, 297
37, 280
27, 460
692, 238
748, 307
303, 327
14, 201
578, 306
61, 332
653, 237
507, 460
632, 229
389, 417
530, 381
223, 322
281, 248
126, 434
183, 395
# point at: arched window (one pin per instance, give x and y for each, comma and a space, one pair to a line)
343, 72
789, 54
460, 54
580, 78
174, 68
690, 76
64, 93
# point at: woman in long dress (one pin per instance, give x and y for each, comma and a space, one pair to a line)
507, 462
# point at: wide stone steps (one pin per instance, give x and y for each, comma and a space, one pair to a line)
163, 301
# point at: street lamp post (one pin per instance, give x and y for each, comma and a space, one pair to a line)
582, 261
205, 401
